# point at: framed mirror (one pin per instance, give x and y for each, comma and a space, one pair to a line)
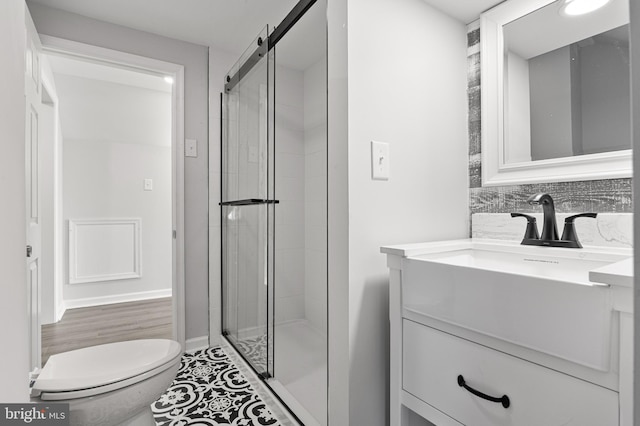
555, 92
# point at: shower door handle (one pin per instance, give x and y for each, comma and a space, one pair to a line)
248, 202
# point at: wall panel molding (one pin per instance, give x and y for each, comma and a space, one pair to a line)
104, 249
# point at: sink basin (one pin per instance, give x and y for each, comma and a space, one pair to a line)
564, 266
537, 297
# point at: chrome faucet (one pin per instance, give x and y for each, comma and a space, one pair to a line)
549, 235
549, 227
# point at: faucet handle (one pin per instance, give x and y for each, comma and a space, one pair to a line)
531, 233
569, 232
569, 219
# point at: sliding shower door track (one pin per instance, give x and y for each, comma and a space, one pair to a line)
287, 23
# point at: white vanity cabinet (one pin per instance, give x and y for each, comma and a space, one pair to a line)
431, 348
432, 361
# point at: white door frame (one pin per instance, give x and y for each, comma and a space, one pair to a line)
75, 49
46, 79
33, 92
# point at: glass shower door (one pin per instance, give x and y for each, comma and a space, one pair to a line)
274, 273
248, 208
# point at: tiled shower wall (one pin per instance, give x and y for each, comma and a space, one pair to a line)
290, 190
301, 187
608, 195
315, 205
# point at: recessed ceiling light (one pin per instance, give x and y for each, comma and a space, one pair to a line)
581, 7
168, 79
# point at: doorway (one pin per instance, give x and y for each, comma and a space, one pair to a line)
112, 193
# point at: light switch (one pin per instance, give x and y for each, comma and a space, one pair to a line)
380, 167
148, 184
190, 148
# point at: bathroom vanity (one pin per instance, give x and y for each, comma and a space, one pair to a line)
491, 333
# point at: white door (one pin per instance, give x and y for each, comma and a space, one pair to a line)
32, 89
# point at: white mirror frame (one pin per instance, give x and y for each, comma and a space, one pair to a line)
495, 172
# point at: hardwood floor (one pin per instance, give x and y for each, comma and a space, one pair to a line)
96, 325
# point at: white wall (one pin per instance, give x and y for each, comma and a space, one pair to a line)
195, 60
54, 217
14, 359
114, 137
290, 190
48, 150
406, 86
105, 111
315, 199
52, 224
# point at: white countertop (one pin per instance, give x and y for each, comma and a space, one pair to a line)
618, 274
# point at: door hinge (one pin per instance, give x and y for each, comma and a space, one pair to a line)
175, 234
29, 251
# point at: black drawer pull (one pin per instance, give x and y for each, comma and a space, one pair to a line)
504, 399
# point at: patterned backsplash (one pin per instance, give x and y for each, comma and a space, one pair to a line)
607, 230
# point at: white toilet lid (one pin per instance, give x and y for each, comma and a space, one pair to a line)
104, 364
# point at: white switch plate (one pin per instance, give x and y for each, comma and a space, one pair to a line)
380, 167
190, 148
148, 184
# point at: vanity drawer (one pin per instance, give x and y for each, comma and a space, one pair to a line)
433, 360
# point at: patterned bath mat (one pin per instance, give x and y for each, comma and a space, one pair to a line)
209, 390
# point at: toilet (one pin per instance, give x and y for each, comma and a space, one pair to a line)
111, 384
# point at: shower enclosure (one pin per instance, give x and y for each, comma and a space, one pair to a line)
274, 210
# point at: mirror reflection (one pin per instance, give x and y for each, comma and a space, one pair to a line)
566, 88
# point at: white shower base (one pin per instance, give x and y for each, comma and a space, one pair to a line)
300, 371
